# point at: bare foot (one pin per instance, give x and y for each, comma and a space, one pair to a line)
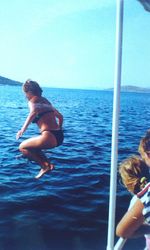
44, 170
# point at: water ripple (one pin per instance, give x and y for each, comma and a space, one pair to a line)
73, 198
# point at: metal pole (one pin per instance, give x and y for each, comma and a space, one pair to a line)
120, 243
115, 125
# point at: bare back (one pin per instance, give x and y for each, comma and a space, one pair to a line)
46, 113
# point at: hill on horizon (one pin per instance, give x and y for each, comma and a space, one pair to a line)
131, 88
7, 81
124, 88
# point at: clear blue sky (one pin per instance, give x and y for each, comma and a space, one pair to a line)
71, 43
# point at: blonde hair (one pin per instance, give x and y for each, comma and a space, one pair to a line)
134, 174
33, 87
144, 146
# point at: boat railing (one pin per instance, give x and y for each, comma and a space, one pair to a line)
120, 243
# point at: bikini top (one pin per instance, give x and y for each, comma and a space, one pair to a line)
38, 116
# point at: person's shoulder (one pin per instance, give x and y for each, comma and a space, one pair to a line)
132, 201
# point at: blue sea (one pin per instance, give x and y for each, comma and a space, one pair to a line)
66, 209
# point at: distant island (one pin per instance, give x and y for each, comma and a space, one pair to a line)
130, 88
7, 81
124, 88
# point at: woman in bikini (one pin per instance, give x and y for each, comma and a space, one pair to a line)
49, 121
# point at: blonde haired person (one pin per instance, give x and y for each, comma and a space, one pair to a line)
132, 171
144, 148
48, 119
135, 177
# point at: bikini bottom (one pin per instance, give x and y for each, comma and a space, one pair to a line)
59, 135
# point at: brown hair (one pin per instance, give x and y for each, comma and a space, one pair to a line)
144, 146
33, 87
134, 174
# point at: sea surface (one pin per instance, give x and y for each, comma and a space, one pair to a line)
66, 209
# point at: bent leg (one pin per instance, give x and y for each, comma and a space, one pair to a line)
35, 155
44, 141
31, 148
39, 157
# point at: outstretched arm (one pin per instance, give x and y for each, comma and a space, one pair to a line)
131, 221
29, 119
